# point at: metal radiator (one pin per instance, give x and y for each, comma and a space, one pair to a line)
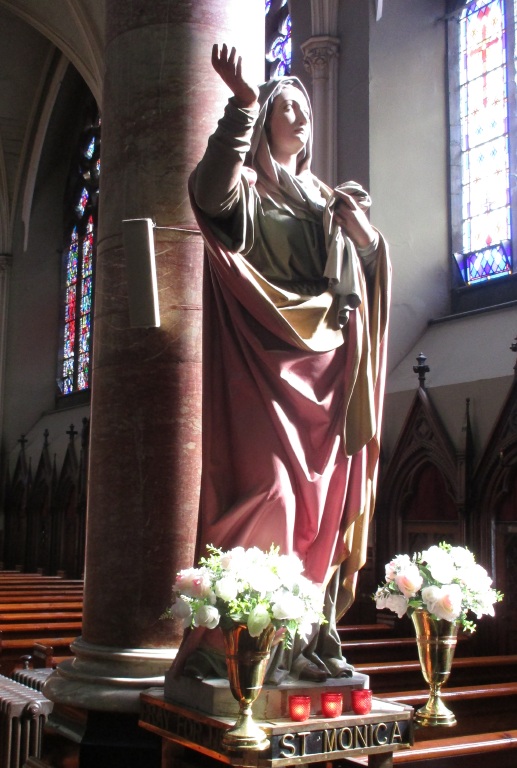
23, 713
32, 678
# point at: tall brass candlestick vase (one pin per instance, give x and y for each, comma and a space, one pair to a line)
246, 660
436, 639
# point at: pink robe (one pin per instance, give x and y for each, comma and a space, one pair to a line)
277, 415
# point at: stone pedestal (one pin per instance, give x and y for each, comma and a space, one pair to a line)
214, 697
186, 733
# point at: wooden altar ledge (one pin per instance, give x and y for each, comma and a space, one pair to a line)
184, 731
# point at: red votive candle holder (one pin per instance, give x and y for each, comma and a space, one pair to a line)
299, 708
362, 701
331, 704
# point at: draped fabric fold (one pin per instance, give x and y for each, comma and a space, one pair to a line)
292, 411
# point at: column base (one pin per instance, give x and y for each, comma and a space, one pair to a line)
107, 679
96, 695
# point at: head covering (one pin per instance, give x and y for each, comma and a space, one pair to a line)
303, 195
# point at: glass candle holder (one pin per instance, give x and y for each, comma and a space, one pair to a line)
331, 704
299, 708
362, 701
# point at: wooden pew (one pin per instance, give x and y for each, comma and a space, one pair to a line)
363, 631
391, 649
37, 628
387, 676
38, 598
472, 751
477, 708
459, 751
43, 605
12, 650
40, 616
37, 616
50, 588
17, 640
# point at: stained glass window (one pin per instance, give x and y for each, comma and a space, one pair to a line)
278, 39
78, 266
486, 221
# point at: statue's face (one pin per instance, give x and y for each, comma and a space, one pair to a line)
289, 124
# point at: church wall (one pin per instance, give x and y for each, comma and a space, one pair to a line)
354, 85
34, 325
408, 162
468, 356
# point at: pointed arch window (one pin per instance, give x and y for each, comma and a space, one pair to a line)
278, 38
483, 133
79, 257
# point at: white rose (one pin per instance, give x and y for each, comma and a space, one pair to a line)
444, 602
206, 616
475, 578
258, 620
193, 582
262, 579
398, 604
485, 604
233, 559
440, 564
409, 580
462, 557
380, 598
430, 595
289, 569
287, 606
226, 588
400, 562
181, 610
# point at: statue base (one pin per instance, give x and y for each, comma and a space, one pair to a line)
214, 697
187, 733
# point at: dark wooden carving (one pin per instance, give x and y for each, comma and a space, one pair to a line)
45, 517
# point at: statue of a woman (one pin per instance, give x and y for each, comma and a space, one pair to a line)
295, 316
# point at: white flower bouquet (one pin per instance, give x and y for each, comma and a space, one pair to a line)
444, 580
248, 586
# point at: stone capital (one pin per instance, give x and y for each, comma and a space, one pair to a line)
318, 53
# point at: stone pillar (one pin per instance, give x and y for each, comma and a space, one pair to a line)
320, 59
161, 100
320, 54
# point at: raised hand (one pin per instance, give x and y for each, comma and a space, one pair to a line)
229, 69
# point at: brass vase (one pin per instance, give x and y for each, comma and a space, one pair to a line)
436, 639
246, 660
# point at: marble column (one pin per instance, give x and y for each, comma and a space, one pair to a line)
161, 100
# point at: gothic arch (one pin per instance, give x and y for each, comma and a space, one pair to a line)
16, 497
74, 30
39, 515
420, 498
